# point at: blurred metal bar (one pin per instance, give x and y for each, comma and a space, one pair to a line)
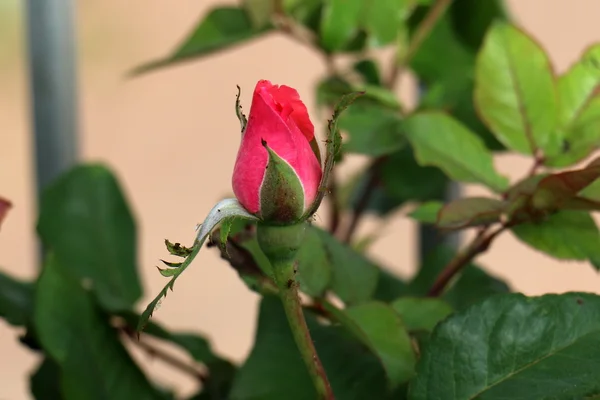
52, 80
430, 237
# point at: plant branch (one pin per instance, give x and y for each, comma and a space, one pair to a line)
421, 33
479, 245
538, 162
280, 244
288, 291
190, 369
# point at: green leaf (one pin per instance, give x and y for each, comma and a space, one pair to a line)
389, 286
449, 85
221, 28
369, 71
421, 314
382, 20
86, 222
441, 141
566, 235
473, 284
16, 298
427, 212
373, 130
45, 381
314, 267
386, 336
416, 182
225, 209
93, 362
306, 12
592, 191
470, 211
579, 86
578, 91
259, 12
514, 347
354, 373
354, 278
340, 23
471, 19
555, 191
515, 91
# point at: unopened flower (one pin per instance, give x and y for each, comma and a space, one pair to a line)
277, 172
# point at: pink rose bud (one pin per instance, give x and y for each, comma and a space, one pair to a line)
277, 172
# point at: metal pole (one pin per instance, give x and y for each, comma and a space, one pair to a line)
430, 237
52, 77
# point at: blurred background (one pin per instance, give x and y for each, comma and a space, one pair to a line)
171, 137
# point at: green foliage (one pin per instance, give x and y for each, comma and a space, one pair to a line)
427, 212
455, 39
221, 28
354, 372
470, 211
354, 278
86, 222
45, 381
515, 91
420, 314
566, 235
95, 365
579, 109
373, 130
472, 285
441, 141
315, 268
382, 330
16, 300
453, 330
511, 346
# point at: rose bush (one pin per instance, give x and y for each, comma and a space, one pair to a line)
277, 171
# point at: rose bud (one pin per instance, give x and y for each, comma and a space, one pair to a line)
277, 172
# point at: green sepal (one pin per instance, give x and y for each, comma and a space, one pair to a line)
333, 144
281, 193
238, 110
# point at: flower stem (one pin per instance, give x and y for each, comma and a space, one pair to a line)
280, 244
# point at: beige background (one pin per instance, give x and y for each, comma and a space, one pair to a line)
166, 130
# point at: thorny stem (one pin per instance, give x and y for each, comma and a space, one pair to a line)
479, 245
288, 291
280, 244
423, 30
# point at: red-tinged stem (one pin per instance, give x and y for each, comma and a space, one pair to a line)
479, 245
